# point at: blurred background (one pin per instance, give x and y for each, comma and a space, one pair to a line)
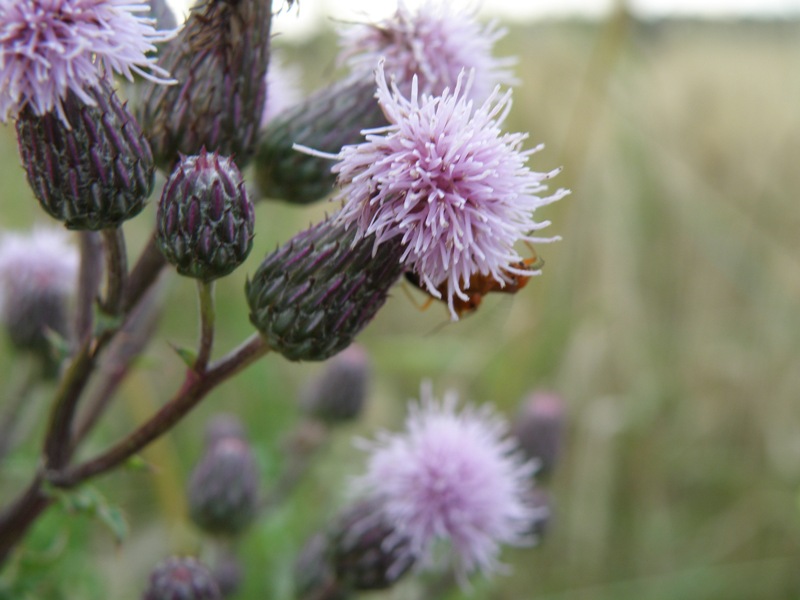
668, 318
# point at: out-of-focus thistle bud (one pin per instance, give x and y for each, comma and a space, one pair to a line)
340, 391
366, 552
539, 429
314, 577
95, 172
38, 273
312, 296
330, 118
223, 426
205, 219
182, 578
220, 60
223, 488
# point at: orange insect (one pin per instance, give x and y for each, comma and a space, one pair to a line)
480, 285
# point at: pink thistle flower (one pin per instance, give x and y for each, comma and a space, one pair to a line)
444, 177
49, 48
434, 42
453, 476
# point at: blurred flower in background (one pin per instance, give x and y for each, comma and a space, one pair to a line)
452, 475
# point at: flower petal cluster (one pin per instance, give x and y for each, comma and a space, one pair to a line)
444, 177
455, 476
49, 48
434, 42
41, 262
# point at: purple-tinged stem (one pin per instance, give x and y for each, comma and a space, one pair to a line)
195, 387
144, 273
89, 276
116, 269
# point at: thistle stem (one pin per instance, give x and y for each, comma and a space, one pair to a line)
205, 295
143, 274
195, 387
89, 276
116, 269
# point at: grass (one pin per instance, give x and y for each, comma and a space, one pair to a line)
667, 317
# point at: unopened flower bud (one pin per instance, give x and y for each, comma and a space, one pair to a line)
38, 273
223, 426
205, 220
539, 429
182, 578
312, 296
223, 488
339, 393
367, 553
330, 118
314, 577
90, 168
220, 60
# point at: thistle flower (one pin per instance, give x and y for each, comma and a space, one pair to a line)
453, 476
444, 179
51, 47
539, 429
38, 272
434, 42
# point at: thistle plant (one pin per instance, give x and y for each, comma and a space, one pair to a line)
427, 182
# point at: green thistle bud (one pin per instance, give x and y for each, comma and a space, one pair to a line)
327, 120
220, 60
181, 578
312, 296
223, 488
366, 552
205, 220
340, 392
94, 174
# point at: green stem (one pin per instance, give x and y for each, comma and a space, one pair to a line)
116, 269
205, 294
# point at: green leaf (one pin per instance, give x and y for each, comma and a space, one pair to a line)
88, 501
189, 357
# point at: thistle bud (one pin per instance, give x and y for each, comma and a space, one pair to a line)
327, 120
223, 488
205, 219
220, 60
38, 272
339, 393
223, 426
367, 553
312, 296
314, 578
539, 429
181, 578
90, 168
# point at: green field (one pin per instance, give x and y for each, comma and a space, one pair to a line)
668, 317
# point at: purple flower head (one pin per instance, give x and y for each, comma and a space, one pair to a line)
454, 476
41, 262
444, 177
434, 42
51, 47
